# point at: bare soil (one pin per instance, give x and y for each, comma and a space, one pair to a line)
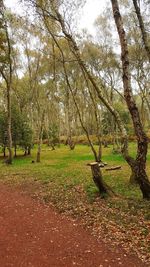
33, 234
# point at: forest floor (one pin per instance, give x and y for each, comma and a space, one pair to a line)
34, 234
63, 180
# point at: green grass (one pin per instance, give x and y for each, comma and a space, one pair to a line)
69, 168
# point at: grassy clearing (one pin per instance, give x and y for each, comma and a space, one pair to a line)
64, 167
64, 179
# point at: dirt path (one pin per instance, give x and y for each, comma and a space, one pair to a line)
33, 234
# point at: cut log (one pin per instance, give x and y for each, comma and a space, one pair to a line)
101, 164
113, 168
92, 163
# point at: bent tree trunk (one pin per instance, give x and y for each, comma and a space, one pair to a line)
138, 165
98, 180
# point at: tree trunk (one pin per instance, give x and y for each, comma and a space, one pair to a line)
38, 157
98, 180
71, 143
10, 153
15, 149
78, 111
25, 151
142, 28
105, 143
98, 125
29, 150
69, 120
53, 147
99, 150
7, 76
138, 166
133, 179
4, 151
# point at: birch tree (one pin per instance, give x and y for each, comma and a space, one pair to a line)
6, 71
138, 165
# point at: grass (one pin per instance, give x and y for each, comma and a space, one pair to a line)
64, 179
63, 167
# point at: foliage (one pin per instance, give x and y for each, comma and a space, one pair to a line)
51, 94
53, 135
21, 131
3, 128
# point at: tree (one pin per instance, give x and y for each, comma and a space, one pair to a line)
82, 76
6, 71
145, 36
53, 137
21, 130
138, 165
3, 131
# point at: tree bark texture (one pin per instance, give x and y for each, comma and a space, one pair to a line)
139, 165
4, 151
10, 155
7, 76
8, 84
98, 180
142, 28
38, 156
